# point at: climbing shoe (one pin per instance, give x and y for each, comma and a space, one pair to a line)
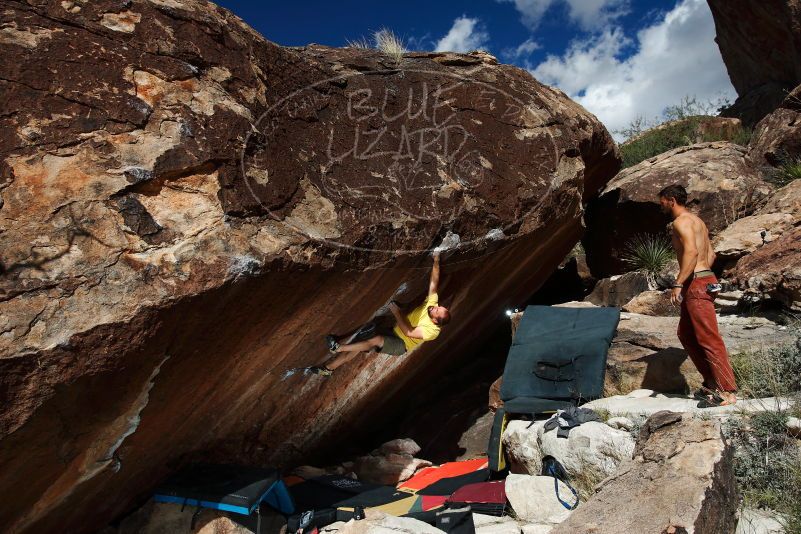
331, 341
320, 370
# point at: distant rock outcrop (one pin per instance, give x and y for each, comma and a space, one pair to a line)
761, 46
187, 209
722, 185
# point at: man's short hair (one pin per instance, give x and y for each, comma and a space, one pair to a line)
446, 318
676, 192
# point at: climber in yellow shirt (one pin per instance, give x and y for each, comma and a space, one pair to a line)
412, 330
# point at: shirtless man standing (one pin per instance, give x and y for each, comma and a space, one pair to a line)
695, 290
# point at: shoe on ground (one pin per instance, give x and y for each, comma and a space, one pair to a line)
320, 370
331, 341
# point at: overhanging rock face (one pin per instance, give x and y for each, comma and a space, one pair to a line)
186, 209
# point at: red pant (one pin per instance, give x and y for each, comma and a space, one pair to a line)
698, 333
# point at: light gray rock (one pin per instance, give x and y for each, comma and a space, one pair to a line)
635, 404
759, 522
489, 524
794, 427
537, 529
377, 522
521, 441
534, 500
593, 446
621, 423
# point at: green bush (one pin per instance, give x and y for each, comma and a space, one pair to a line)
674, 135
767, 465
788, 171
659, 140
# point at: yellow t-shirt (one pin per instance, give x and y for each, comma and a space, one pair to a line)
419, 317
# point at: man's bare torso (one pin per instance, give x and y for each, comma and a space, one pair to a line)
705, 254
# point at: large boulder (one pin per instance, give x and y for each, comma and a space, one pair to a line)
188, 209
781, 213
722, 185
392, 463
681, 478
777, 137
761, 45
773, 272
619, 289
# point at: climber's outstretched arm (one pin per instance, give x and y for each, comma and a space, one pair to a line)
433, 285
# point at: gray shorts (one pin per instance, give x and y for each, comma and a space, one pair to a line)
393, 345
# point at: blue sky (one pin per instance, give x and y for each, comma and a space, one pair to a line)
619, 58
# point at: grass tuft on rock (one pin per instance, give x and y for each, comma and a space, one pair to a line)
383, 40
789, 171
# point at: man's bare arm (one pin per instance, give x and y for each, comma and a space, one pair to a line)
433, 284
710, 257
689, 256
403, 323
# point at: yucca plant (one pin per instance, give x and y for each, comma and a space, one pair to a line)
787, 172
649, 254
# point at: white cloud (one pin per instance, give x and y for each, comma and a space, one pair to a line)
522, 50
676, 56
531, 11
589, 14
465, 35
593, 14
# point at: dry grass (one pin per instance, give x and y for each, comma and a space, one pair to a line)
383, 40
768, 461
390, 44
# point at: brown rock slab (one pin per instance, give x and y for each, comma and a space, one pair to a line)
651, 303
773, 272
777, 137
389, 469
781, 213
681, 478
720, 180
618, 290
760, 44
